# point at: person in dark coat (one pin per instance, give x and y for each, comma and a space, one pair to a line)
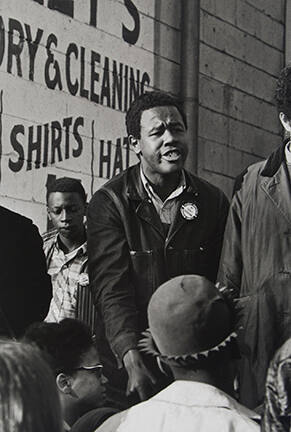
25, 287
256, 257
151, 223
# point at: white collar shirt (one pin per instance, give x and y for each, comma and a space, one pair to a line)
186, 406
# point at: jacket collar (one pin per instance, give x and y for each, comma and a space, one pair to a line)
277, 189
274, 161
136, 191
276, 181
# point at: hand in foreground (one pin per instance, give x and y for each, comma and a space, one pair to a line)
140, 379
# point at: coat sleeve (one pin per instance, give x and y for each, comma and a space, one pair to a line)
219, 235
230, 268
109, 262
38, 289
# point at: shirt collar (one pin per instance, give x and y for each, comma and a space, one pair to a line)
151, 193
202, 394
66, 426
80, 250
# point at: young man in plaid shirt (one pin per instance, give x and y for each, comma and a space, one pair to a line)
66, 251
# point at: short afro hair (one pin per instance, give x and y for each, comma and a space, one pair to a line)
283, 92
66, 184
147, 101
63, 344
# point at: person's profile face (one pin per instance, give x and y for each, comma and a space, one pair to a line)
89, 385
162, 146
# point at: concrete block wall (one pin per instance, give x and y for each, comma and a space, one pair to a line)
241, 54
63, 97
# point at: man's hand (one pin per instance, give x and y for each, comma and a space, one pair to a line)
140, 379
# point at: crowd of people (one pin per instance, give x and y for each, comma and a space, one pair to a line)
158, 306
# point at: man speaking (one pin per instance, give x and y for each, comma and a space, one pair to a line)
152, 222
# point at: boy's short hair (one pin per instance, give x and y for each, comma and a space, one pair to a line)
147, 101
66, 184
62, 343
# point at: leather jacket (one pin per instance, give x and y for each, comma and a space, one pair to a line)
130, 255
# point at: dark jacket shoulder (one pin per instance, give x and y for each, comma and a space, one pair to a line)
15, 227
203, 185
129, 183
264, 168
13, 218
120, 183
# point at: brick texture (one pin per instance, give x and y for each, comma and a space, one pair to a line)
241, 54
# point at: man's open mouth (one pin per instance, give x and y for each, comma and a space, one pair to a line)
172, 155
68, 227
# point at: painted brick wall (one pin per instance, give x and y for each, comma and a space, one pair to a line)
68, 72
241, 54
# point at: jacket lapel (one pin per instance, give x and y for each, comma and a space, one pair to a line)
274, 161
277, 189
147, 212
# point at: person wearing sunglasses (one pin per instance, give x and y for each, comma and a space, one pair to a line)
73, 356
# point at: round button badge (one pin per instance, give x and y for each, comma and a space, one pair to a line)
189, 211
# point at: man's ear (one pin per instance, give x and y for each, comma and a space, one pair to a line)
285, 121
64, 383
134, 142
48, 213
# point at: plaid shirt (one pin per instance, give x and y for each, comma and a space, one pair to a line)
65, 271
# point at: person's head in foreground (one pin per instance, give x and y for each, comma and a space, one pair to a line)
277, 412
157, 129
72, 354
29, 400
191, 332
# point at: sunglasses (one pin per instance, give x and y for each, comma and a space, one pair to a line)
97, 369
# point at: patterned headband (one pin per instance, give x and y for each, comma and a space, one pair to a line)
148, 345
